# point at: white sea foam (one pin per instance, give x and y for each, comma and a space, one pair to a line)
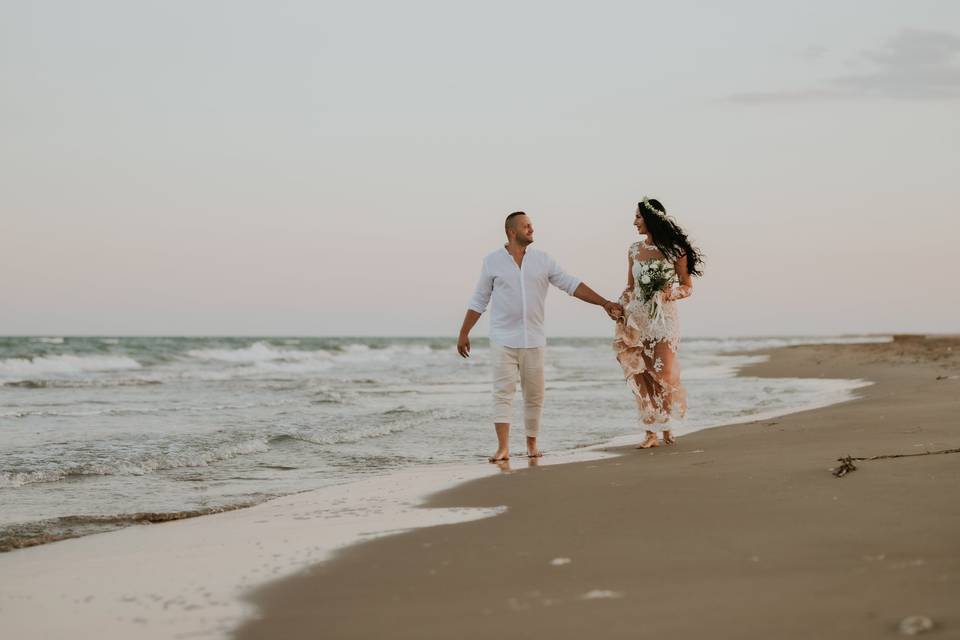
62, 365
270, 358
257, 352
18, 479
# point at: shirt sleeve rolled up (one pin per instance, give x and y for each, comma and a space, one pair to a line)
481, 295
561, 279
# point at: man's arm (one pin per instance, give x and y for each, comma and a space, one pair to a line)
477, 305
576, 288
463, 342
585, 293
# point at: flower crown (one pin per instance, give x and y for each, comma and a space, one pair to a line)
652, 209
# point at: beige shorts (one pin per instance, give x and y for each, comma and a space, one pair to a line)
509, 364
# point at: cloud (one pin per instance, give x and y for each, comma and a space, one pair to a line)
915, 64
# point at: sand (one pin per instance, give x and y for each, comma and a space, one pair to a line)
736, 532
186, 579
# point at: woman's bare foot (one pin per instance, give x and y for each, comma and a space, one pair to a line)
668, 438
650, 442
500, 456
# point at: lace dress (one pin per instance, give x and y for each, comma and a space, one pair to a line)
647, 347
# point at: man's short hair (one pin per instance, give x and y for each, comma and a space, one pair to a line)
509, 221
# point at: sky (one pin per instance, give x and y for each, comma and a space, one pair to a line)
341, 168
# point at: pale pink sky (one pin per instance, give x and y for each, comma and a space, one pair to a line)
238, 168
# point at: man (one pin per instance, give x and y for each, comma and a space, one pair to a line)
516, 278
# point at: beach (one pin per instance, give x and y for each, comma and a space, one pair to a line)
102, 433
289, 289
736, 532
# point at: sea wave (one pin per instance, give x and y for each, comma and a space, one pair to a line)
386, 423
20, 369
341, 437
257, 352
80, 413
166, 462
80, 383
270, 357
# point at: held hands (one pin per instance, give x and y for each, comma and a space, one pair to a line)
614, 310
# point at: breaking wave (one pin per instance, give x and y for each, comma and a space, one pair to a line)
24, 369
268, 357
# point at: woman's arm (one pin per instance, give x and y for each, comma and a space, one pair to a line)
624, 299
685, 290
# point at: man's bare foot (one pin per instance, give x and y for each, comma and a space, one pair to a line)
650, 442
500, 456
668, 438
532, 450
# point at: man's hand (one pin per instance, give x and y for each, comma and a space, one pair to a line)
463, 345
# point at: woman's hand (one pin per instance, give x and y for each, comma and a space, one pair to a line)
672, 295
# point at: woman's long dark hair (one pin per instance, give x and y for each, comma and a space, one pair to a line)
667, 236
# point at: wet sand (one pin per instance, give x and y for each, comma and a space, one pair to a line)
736, 532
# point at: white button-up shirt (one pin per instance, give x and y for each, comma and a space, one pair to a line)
519, 295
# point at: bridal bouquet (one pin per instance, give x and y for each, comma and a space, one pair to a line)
654, 276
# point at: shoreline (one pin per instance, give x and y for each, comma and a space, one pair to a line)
79, 524
750, 534
303, 507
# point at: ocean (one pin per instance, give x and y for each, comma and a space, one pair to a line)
98, 433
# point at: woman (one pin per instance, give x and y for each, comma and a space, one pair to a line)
659, 270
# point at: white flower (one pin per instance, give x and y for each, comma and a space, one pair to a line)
644, 266
645, 279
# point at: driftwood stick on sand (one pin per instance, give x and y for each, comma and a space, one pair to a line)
846, 462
